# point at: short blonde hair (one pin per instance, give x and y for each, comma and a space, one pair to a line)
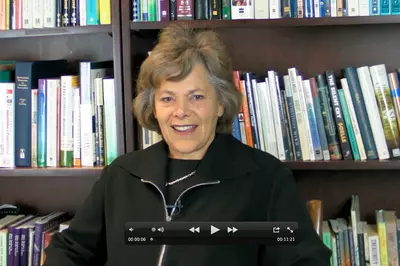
180, 48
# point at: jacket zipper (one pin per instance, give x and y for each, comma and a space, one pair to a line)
168, 218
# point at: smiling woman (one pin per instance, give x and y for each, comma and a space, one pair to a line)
199, 172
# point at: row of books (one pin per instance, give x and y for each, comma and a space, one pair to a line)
354, 241
355, 116
52, 118
23, 238
29, 14
164, 10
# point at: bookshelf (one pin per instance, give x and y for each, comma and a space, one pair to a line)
312, 45
61, 189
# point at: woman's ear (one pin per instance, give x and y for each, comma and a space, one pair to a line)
220, 110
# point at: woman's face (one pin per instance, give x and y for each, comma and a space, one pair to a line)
187, 112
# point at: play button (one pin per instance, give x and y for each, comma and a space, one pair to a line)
214, 229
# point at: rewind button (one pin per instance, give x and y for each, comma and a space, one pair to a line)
195, 229
232, 229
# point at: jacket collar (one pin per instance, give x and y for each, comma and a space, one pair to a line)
226, 157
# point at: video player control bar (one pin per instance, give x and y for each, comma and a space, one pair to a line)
210, 233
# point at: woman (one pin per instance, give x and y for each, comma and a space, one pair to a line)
186, 93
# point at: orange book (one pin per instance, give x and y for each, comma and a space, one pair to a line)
246, 115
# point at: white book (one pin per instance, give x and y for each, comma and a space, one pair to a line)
373, 112
87, 136
38, 14
66, 127
306, 124
300, 118
267, 120
363, 7
316, 143
276, 115
258, 113
27, 14
317, 12
76, 125
275, 9
380, 82
352, 8
261, 9
110, 120
49, 13
82, 13
334, 12
52, 131
242, 11
353, 117
7, 149
34, 138
373, 245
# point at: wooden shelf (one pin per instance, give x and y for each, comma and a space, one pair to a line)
261, 23
345, 165
50, 171
55, 31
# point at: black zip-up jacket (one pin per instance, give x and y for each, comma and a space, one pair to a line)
238, 183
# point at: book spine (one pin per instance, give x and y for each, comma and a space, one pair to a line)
226, 10
286, 11
17, 245
382, 236
173, 10
77, 127
23, 255
292, 119
92, 12
216, 9
319, 119
395, 7
23, 120
34, 128
283, 121
66, 149
250, 101
363, 7
7, 125
386, 108
105, 12
74, 13
274, 9
246, 114
53, 86
258, 113
271, 138
303, 107
164, 10
300, 118
152, 10
354, 121
87, 141
10, 248
38, 14
373, 112
59, 13
184, 10
41, 124
385, 7
375, 8
37, 244
3, 247
82, 12
287, 126
348, 124
3, 16
341, 128
49, 13
316, 143
395, 93
273, 90
361, 112
27, 14
327, 116
66, 13
110, 118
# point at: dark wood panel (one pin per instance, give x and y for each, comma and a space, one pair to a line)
50, 171
345, 165
377, 190
263, 23
46, 193
91, 46
55, 31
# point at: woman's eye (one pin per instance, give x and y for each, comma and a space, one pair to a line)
198, 97
166, 99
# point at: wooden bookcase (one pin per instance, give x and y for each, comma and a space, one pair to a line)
312, 45
51, 189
